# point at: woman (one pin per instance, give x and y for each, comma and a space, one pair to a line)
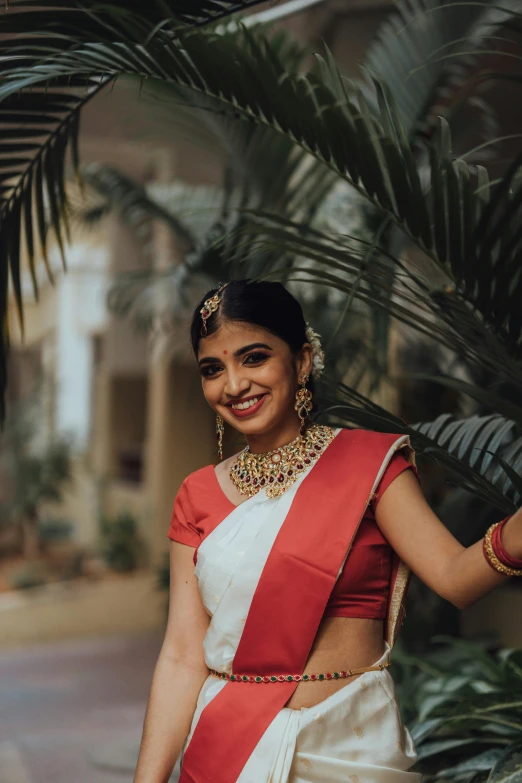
274, 665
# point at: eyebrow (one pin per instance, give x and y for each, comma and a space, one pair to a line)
239, 352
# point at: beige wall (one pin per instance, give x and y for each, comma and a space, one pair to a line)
39, 317
80, 503
127, 417
180, 440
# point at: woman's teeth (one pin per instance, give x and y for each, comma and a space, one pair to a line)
242, 406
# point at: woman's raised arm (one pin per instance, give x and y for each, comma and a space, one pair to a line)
459, 574
178, 675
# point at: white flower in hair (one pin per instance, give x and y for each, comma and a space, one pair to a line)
317, 351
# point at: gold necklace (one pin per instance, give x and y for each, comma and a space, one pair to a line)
278, 469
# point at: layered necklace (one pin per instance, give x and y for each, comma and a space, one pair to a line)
278, 469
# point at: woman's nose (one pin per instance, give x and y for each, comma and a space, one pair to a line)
236, 384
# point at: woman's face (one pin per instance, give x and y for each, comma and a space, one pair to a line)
250, 377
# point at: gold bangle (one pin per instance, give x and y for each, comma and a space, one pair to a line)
492, 559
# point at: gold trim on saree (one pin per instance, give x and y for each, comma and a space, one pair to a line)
396, 601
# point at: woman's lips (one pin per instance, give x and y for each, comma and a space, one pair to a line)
242, 414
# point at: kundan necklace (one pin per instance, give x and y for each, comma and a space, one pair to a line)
278, 469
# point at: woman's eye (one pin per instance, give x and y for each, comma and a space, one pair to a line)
255, 358
210, 369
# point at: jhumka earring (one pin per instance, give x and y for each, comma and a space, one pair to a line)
220, 429
303, 402
210, 306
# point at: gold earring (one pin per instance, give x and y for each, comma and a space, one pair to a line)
220, 428
303, 402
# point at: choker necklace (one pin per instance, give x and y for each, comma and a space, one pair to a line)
278, 469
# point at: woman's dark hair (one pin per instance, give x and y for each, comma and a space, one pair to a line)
265, 304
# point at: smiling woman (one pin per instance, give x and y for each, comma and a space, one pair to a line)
275, 661
251, 357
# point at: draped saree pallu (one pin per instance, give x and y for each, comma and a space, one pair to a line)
265, 574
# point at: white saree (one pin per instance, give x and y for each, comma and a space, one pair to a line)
355, 734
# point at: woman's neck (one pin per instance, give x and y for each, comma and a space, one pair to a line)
268, 441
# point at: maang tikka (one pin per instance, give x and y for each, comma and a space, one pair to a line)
210, 306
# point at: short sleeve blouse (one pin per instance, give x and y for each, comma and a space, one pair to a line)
201, 504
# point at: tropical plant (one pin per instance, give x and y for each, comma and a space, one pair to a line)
32, 472
122, 545
30, 575
463, 705
465, 295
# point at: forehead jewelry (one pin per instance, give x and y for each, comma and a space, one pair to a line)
210, 306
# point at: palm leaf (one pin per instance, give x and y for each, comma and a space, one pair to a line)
296, 97
465, 448
254, 84
37, 128
406, 54
484, 396
131, 200
457, 184
262, 168
437, 312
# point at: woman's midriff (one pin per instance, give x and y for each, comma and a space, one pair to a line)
341, 643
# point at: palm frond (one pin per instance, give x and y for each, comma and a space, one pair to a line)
406, 54
38, 129
294, 183
459, 223
132, 201
375, 158
437, 311
157, 302
469, 450
484, 396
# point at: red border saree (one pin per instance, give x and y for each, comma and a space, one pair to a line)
265, 575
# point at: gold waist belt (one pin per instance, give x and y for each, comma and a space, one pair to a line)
297, 677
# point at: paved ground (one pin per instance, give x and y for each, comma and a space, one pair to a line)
72, 712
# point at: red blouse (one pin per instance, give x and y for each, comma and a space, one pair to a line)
362, 588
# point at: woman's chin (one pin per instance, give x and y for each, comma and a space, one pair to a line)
256, 425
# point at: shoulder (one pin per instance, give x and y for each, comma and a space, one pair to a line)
198, 482
359, 438
391, 452
197, 477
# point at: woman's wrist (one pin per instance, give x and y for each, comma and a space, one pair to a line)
511, 535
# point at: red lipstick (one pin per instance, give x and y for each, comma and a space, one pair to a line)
242, 414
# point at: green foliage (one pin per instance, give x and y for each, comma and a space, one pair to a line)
52, 530
380, 139
29, 576
464, 448
122, 546
32, 470
463, 705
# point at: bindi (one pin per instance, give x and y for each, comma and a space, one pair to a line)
225, 351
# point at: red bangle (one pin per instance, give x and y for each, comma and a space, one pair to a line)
498, 547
